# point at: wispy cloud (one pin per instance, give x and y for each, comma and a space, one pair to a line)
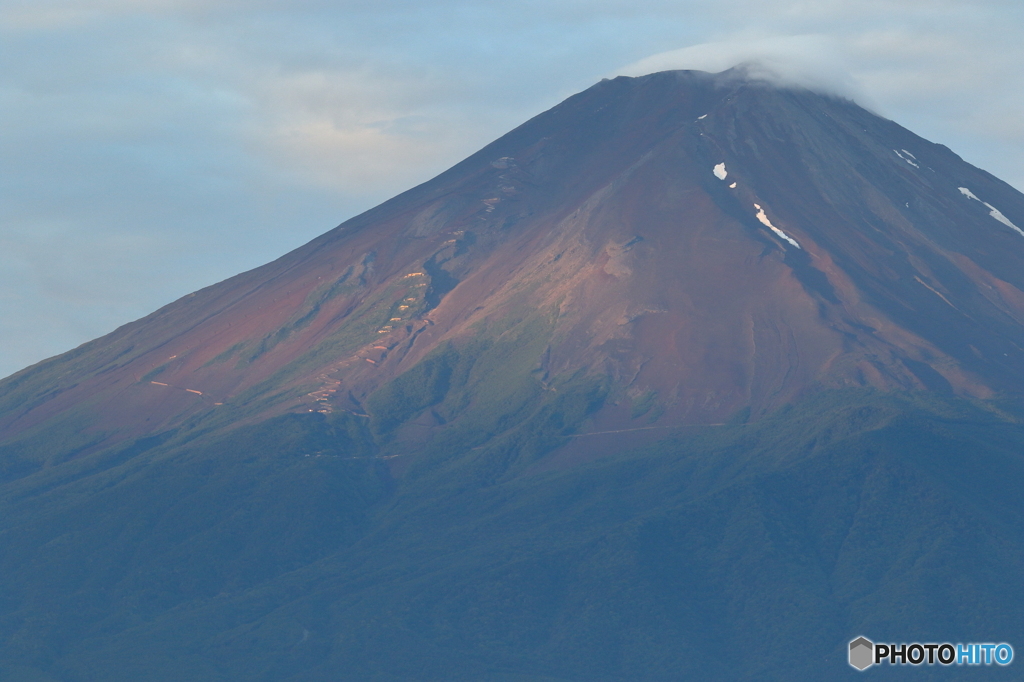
815, 61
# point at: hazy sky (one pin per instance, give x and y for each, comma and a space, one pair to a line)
152, 147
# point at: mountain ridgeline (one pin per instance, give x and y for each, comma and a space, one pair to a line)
690, 377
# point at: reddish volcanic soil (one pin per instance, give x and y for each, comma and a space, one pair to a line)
832, 248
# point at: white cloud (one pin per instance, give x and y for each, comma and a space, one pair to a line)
816, 62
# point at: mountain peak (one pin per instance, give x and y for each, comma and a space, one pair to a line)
704, 244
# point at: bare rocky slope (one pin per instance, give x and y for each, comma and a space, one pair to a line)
709, 243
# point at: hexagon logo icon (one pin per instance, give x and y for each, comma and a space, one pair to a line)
862, 653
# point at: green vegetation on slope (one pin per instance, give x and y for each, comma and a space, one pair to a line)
498, 416
285, 551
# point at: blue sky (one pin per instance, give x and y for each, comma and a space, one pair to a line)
152, 147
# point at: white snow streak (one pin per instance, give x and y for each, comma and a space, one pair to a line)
906, 159
720, 171
767, 223
702, 117
993, 211
997, 214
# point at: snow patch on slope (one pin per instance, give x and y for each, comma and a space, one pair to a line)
720, 171
993, 211
767, 223
912, 163
968, 193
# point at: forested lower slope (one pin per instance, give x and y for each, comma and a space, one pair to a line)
288, 550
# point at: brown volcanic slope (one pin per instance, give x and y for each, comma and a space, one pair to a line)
839, 249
